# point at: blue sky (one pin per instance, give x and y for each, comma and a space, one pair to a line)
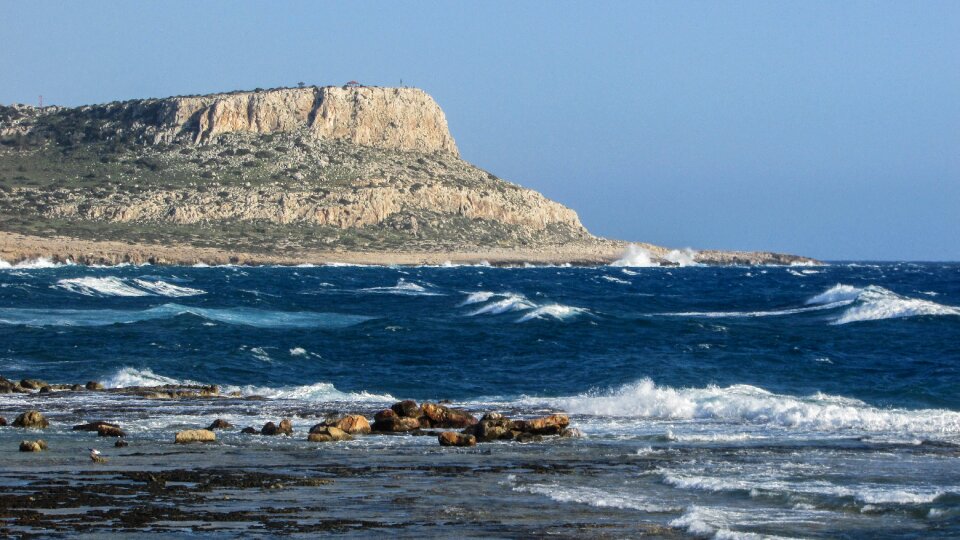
830, 129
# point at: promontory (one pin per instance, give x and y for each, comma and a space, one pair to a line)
311, 174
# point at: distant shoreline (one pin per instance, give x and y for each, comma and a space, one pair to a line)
16, 248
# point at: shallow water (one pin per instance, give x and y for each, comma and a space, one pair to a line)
796, 402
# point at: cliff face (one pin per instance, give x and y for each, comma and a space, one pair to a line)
405, 119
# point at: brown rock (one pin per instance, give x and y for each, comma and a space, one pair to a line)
32, 384
220, 424
385, 414
396, 424
45, 390
328, 434
445, 417
452, 438
492, 427
93, 386
249, 431
354, 424
33, 446
285, 428
547, 425
195, 435
110, 431
94, 426
407, 408
31, 419
3, 421
121, 443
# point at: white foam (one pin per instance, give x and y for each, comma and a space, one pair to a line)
837, 293
749, 405
298, 351
100, 286
615, 280
594, 497
682, 257
717, 523
510, 302
318, 392
634, 256
163, 288
876, 303
559, 312
33, 264
403, 287
478, 297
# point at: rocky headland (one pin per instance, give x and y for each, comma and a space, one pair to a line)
282, 176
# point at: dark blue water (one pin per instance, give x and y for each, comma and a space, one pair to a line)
407, 332
826, 395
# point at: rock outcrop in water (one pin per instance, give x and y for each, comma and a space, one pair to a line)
287, 175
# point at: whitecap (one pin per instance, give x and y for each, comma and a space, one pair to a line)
553, 311
682, 257
163, 288
594, 497
636, 257
403, 287
613, 279
510, 302
100, 286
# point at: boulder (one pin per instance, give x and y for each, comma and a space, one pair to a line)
93, 386
407, 408
110, 431
76, 387
492, 427
354, 424
33, 384
45, 390
121, 443
285, 428
394, 423
547, 425
452, 438
3, 421
94, 426
33, 446
328, 434
385, 414
445, 417
220, 424
31, 419
249, 431
571, 432
195, 435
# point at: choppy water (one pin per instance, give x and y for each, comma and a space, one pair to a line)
798, 402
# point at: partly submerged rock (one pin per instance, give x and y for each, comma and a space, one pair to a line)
31, 419
442, 416
354, 424
388, 421
547, 425
94, 386
33, 384
33, 446
110, 431
94, 426
249, 430
407, 408
321, 433
195, 435
452, 438
284, 428
219, 423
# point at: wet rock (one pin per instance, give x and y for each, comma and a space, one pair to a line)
285, 428
31, 419
492, 427
33, 384
328, 434
110, 431
249, 431
524, 437
388, 421
45, 390
121, 443
547, 425
446, 417
354, 424
195, 435
33, 446
94, 426
219, 423
76, 387
452, 438
3, 421
571, 433
407, 408
93, 386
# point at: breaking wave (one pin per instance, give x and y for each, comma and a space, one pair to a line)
636, 257
403, 287
594, 497
33, 264
318, 392
746, 404
237, 316
499, 303
114, 286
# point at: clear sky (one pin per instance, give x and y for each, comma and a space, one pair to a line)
829, 129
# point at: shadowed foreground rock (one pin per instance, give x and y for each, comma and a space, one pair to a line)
31, 419
33, 446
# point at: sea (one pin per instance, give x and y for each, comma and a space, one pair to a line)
714, 402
